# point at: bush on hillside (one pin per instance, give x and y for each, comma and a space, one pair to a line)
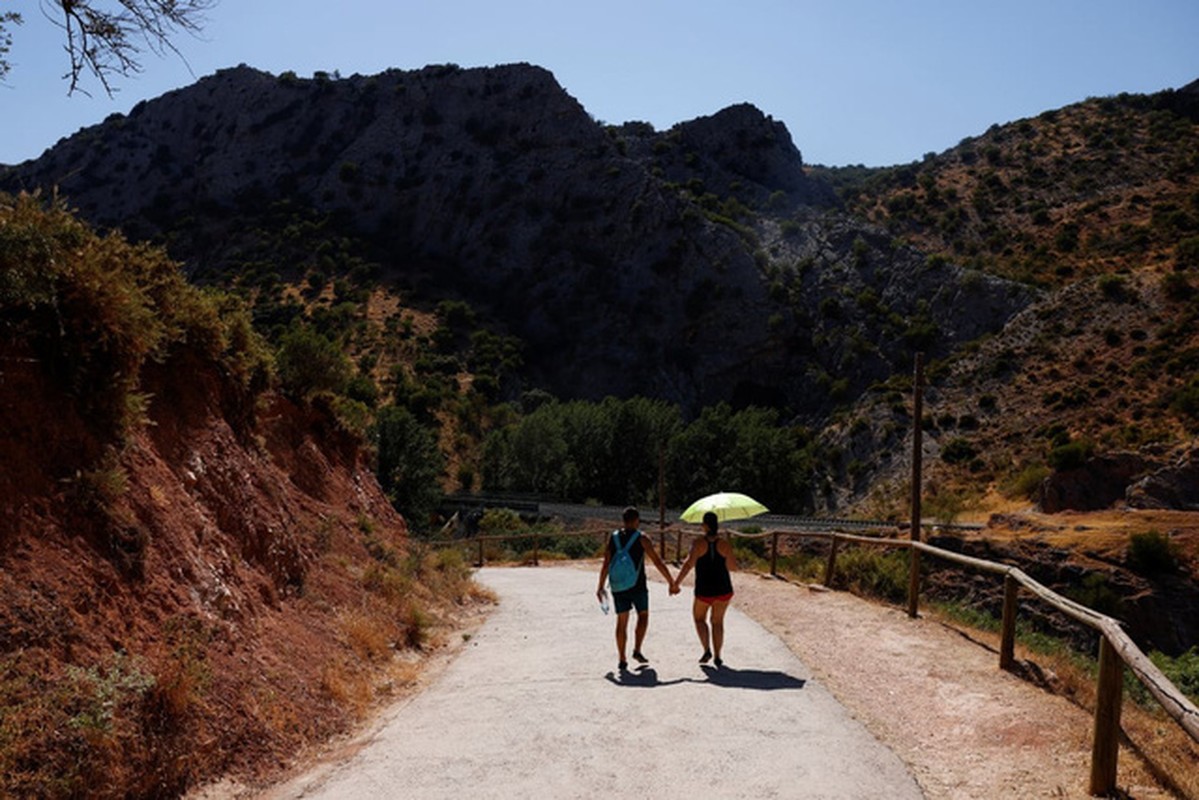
96, 308
1070, 455
1185, 401
1025, 484
1152, 553
409, 464
957, 450
309, 362
1186, 254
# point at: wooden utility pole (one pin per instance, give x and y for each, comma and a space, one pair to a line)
917, 466
662, 500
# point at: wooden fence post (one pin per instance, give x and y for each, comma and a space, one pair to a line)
774, 554
1105, 750
678, 549
480, 552
831, 567
536, 547
1007, 642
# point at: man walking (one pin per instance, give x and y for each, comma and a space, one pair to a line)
630, 539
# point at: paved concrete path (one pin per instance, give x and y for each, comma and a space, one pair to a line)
534, 707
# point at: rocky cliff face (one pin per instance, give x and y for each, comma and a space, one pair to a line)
691, 264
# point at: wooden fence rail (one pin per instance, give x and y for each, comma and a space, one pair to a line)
1116, 650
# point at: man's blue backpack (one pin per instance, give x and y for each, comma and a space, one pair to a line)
622, 572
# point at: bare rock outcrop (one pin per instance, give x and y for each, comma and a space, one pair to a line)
1173, 486
1100, 482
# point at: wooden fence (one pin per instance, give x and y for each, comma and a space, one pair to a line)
1116, 650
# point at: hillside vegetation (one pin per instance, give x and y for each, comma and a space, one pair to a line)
1097, 204
197, 575
1104, 186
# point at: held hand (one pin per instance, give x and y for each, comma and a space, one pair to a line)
674, 587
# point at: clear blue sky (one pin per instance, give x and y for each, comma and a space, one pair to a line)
875, 82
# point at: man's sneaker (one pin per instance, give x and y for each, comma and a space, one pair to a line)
706, 657
623, 666
640, 658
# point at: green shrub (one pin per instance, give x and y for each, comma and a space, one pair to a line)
1185, 401
363, 389
500, 520
1095, 592
1152, 553
1070, 455
1114, 288
1182, 671
831, 309
1026, 483
1176, 287
575, 547
1186, 253
757, 546
872, 572
309, 362
94, 310
409, 464
958, 450
945, 507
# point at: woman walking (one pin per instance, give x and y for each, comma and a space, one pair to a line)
712, 558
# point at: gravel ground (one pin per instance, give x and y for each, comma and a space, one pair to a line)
937, 698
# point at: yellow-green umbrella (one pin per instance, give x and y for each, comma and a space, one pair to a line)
725, 505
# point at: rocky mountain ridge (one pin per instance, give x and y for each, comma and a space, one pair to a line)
628, 261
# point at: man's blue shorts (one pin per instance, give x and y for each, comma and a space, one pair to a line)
632, 598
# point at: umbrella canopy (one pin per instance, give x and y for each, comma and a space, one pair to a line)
726, 505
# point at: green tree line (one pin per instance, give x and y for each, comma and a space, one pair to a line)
609, 452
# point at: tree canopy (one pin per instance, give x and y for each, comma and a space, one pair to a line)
609, 452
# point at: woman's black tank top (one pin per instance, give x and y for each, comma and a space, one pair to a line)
712, 574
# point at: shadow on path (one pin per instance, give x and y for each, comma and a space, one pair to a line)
643, 677
766, 680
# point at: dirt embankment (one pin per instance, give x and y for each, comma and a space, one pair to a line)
222, 589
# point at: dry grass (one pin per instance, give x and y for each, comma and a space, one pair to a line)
369, 636
84, 733
349, 690
1163, 749
1170, 753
